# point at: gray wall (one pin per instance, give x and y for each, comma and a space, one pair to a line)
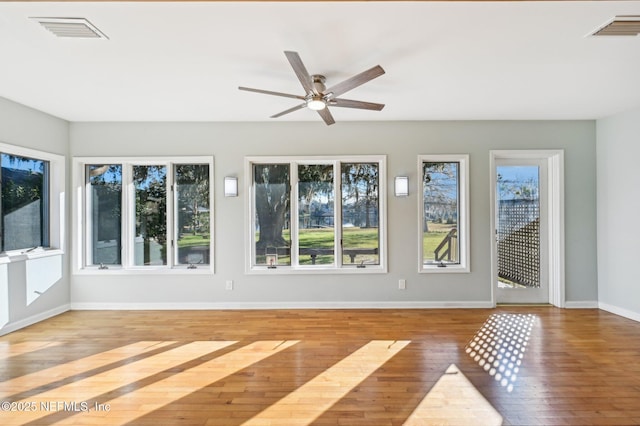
28, 128
401, 142
618, 150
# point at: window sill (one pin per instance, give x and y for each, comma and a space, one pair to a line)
288, 270
113, 270
449, 269
21, 256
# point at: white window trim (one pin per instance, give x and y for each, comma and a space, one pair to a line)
337, 267
56, 202
80, 217
463, 223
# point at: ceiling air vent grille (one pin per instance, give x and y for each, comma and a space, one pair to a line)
620, 26
71, 27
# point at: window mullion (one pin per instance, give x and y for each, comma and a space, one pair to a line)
88, 218
251, 203
129, 216
337, 215
172, 240
172, 218
46, 205
293, 209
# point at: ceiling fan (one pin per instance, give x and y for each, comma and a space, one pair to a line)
317, 97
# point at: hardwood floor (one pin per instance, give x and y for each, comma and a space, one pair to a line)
511, 365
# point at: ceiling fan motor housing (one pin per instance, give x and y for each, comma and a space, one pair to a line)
318, 82
317, 101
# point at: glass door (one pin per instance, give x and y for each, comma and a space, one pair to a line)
521, 240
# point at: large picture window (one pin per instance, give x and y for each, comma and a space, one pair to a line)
444, 213
145, 214
316, 214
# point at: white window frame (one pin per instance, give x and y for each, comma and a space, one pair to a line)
56, 205
338, 266
464, 244
82, 218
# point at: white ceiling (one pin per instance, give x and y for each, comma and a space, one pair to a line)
443, 60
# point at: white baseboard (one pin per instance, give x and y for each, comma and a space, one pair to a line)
25, 322
281, 305
620, 311
583, 304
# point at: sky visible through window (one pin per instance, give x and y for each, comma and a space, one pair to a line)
22, 163
516, 182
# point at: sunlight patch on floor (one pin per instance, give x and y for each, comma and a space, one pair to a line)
309, 401
500, 344
145, 400
91, 390
80, 366
9, 349
454, 400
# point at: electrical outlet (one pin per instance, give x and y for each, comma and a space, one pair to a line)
229, 285
402, 284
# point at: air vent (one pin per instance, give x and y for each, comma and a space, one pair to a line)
620, 26
71, 27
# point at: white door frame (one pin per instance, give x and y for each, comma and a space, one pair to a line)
555, 212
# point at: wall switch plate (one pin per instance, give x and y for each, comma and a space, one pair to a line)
229, 285
402, 284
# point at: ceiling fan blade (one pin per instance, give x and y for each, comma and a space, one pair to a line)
355, 81
347, 103
301, 72
295, 108
326, 116
268, 92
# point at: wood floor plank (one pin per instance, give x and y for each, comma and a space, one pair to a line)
292, 367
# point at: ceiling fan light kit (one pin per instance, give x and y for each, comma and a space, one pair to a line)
317, 97
316, 103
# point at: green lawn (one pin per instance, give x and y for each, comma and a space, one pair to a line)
353, 238
190, 240
431, 240
323, 238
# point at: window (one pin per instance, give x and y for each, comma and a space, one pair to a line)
31, 184
145, 214
361, 213
444, 241
105, 232
150, 237
193, 214
25, 213
316, 214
